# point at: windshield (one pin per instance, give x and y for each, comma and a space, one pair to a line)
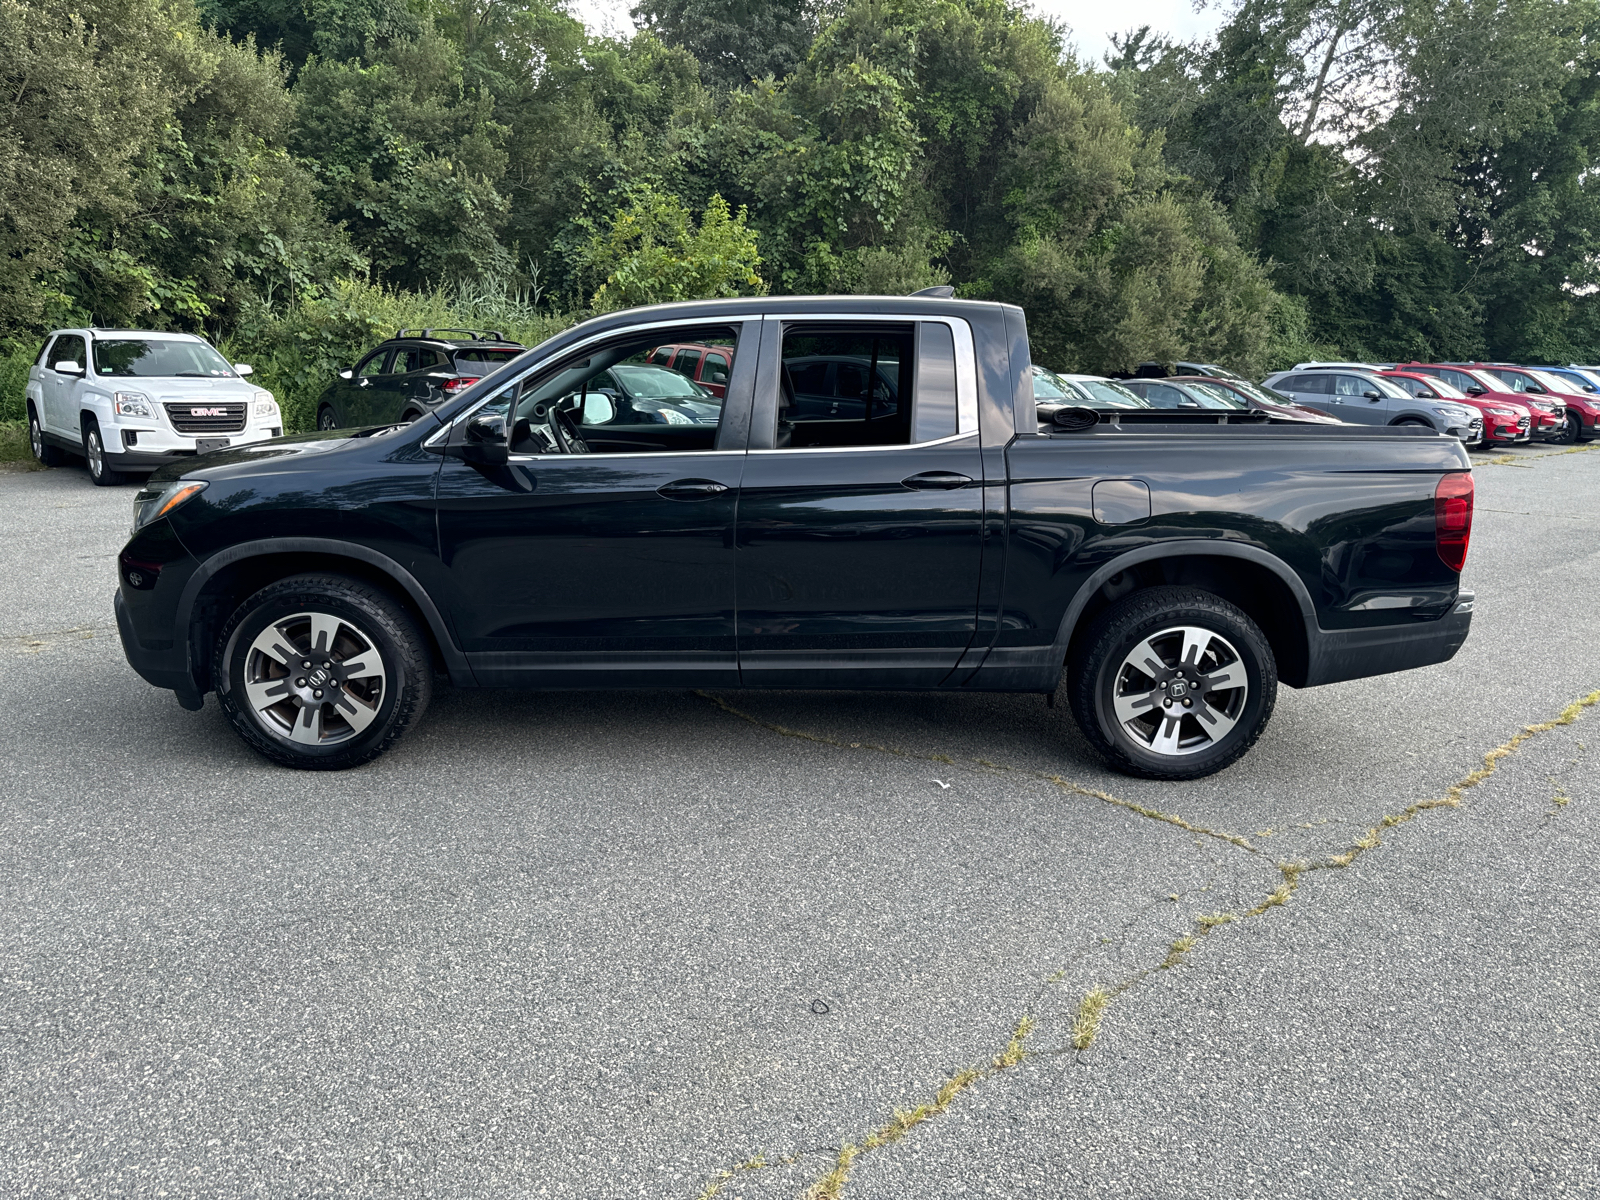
1448, 391
1488, 382
1047, 385
1218, 392
1261, 392
1556, 383
658, 383
1111, 395
158, 357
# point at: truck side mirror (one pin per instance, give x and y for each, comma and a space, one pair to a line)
68, 366
243, 369
484, 441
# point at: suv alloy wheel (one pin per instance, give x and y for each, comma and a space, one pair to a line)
321, 672
1173, 683
94, 453
47, 455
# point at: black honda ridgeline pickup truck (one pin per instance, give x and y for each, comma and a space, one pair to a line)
876, 501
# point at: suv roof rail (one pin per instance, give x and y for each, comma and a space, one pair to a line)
488, 335
942, 291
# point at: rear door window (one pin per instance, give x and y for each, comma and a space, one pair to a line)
686, 362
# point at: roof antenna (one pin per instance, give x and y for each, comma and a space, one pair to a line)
942, 292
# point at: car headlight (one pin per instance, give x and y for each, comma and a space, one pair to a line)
266, 406
1451, 412
132, 404
153, 503
673, 417
1502, 412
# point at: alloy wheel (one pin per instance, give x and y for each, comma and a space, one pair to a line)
36, 438
1180, 690
314, 678
94, 452
325, 422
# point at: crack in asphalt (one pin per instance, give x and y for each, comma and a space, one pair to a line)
1066, 785
1092, 1008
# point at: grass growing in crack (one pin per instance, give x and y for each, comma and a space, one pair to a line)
831, 1185
1178, 949
1087, 1023
754, 1163
1091, 1009
1065, 785
1454, 793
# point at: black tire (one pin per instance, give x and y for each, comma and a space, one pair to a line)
1573, 434
1100, 672
326, 420
94, 456
48, 455
409, 416
295, 614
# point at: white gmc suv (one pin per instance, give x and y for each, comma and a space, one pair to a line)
128, 400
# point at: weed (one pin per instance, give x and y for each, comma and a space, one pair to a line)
1178, 949
1087, 1023
14, 447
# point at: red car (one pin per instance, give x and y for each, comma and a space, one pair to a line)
1544, 424
1505, 421
706, 365
1582, 409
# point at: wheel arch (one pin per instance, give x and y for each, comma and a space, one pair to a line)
1258, 582
225, 579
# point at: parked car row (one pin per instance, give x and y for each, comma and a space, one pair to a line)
129, 401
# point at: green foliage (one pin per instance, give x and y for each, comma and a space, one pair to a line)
653, 253
1383, 178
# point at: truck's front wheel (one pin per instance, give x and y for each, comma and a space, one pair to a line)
1172, 683
321, 672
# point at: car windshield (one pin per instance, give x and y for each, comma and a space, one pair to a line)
1111, 395
481, 360
1218, 392
658, 383
1488, 382
1047, 385
1264, 394
1447, 390
158, 357
1556, 383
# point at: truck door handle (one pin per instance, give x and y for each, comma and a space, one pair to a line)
943, 481
692, 489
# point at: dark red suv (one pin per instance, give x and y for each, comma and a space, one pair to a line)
707, 365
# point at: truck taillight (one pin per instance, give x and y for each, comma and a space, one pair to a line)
452, 386
1452, 518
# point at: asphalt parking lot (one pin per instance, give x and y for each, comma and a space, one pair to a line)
661, 944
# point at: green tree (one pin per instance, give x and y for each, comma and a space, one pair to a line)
654, 252
735, 41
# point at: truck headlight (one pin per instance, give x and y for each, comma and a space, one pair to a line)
266, 406
153, 503
132, 404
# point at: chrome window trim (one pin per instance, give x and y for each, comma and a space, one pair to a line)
632, 456
954, 437
966, 361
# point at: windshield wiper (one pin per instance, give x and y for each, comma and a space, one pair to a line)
193, 375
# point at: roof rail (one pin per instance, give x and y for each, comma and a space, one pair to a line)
942, 291
488, 335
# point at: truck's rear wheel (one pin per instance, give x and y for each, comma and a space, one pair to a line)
321, 672
1173, 683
